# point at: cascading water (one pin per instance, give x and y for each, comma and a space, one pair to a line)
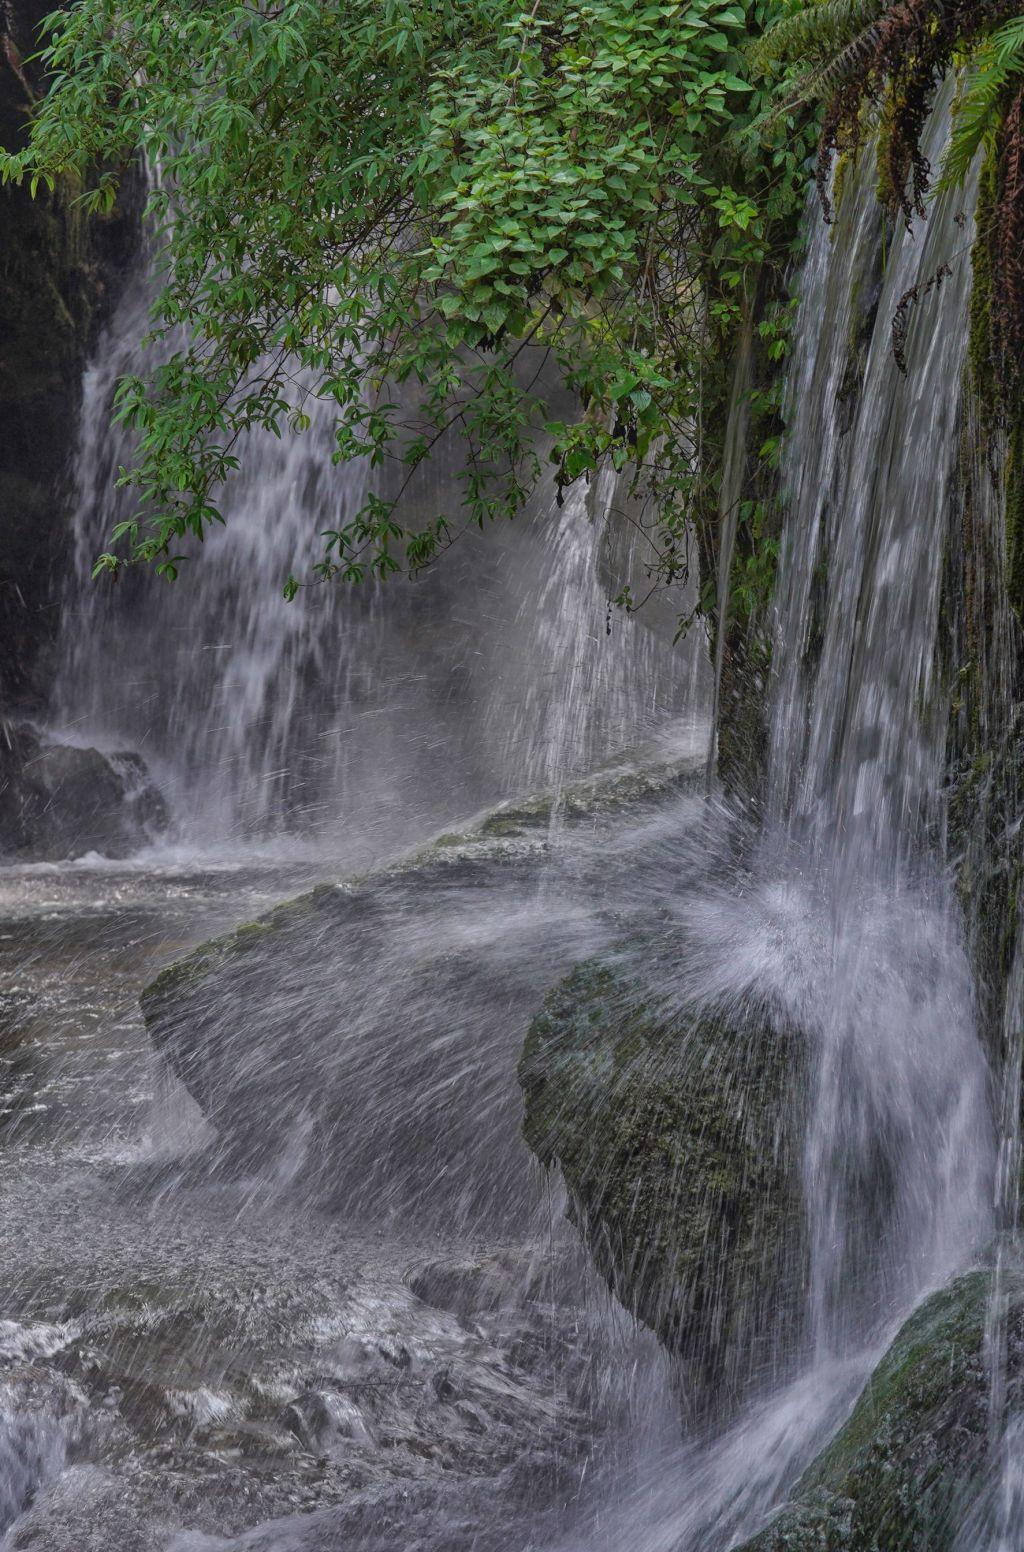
857, 769
842, 917
381, 709
370, 1277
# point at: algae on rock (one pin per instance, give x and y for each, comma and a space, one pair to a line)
912, 1469
363, 1037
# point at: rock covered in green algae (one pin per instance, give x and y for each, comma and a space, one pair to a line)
911, 1471
678, 1133
504, 835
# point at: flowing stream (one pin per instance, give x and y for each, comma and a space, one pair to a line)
384, 1336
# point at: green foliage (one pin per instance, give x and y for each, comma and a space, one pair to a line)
817, 47
425, 218
981, 102
815, 32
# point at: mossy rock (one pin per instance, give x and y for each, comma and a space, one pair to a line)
678, 1132
507, 834
911, 1471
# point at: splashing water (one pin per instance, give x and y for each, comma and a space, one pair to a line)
899, 1154
842, 916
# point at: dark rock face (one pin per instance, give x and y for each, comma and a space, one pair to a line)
59, 274
678, 1134
58, 801
913, 1469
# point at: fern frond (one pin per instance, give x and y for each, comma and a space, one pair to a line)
821, 82
999, 62
826, 78
817, 31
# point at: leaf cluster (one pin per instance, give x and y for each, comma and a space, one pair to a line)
428, 223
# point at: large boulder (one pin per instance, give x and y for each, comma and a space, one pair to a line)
678, 1131
363, 1038
60, 801
913, 1470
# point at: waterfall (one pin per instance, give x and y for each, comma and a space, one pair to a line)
858, 724
365, 1076
841, 915
382, 709
898, 1157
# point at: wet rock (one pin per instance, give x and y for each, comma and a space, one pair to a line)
913, 1469
62, 270
59, 801
86, 1508
410, 991
678, 1134
541, 1472
464, 1288
322, 1420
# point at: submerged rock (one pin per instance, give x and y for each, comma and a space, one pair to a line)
60, 801
678, 1134
913, 1468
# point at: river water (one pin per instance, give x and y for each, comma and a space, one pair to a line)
185, 1353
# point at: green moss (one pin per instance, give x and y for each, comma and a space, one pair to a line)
993, 415
513, 821
979, 349
525, 821
1014, 518
250, 932
910, 1467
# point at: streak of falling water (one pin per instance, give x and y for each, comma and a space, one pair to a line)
845, 921
391, 707
996, 1522
733, 469
898, 1152
858, 724
1006, 1426
1010, 1503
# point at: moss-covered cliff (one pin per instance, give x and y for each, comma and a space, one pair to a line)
912, 1470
